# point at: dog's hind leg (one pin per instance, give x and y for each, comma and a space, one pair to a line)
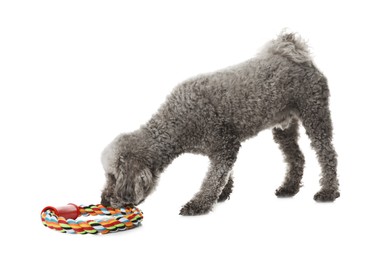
287, 140
317, 122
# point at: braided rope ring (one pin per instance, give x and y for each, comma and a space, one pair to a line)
63, 219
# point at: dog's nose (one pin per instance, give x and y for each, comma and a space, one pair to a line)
105, 202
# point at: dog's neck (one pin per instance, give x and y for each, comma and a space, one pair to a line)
158, 147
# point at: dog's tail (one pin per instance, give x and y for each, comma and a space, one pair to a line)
290, 46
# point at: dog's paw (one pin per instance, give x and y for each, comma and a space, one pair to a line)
326, 195
227, 190
223, 197
194, 208
285, 192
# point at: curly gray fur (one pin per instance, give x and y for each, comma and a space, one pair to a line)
211, 114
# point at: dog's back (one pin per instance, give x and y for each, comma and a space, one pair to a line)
254, 95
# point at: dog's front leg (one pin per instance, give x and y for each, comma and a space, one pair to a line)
222, 153
212, 186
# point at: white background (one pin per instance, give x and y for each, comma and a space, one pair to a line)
74, 74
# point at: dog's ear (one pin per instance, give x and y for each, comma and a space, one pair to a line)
108, 189
134, 182
147, 180
125, 172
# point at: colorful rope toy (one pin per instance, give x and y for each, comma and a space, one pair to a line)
64, 220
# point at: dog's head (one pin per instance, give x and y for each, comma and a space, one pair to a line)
128, 180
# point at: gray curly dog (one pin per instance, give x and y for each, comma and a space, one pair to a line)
211, 114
